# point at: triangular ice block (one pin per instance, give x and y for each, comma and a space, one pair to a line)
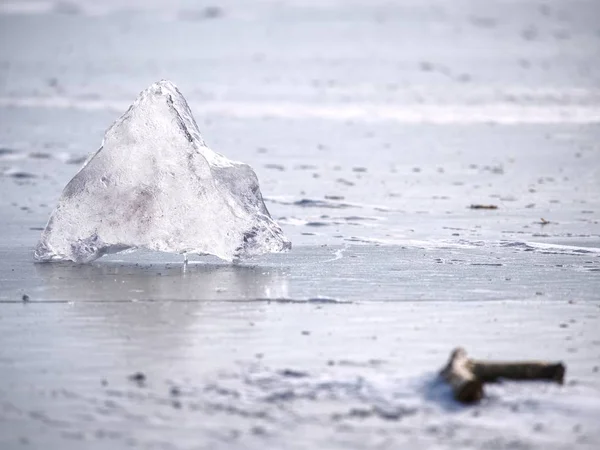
155, 184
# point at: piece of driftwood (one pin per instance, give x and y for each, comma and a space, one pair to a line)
466, 386
526, 370
466, 376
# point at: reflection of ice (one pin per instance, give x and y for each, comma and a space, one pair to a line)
119, 281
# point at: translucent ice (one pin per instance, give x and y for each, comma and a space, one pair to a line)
155, 184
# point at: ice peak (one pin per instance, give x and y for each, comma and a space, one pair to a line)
164, 83
162, 88
152, 106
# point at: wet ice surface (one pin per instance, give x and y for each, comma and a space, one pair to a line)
370, 150
155, 184
290, 375
353, 273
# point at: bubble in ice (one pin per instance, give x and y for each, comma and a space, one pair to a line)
155, 184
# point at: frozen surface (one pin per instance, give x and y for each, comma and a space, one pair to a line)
155, 184
373, 126
293, 375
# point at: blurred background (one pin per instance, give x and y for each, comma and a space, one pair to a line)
285, 57
392, 108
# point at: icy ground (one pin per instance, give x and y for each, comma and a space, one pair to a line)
372, 126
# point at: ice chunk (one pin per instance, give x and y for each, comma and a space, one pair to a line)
155, 184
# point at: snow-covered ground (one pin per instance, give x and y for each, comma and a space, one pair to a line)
372, 126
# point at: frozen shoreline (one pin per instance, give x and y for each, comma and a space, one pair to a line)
372, 126
298, 349
250, 375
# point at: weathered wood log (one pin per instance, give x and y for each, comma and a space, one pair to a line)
466, 376
527, 370
466, 386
